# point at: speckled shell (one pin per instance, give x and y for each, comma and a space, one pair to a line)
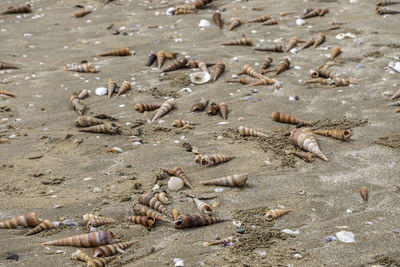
79, 255
180, 64
189, 221
204, 208
262, 18
87, 67
94, 220
281, 117
81, 14
307, 156
147, 221
110, 250
364, 193
26, 8
242, 41
165, 108
124, 88
223, 108
120, 52
320, 39
272, 214
304, 138
46, 224
277, 48
5, 92
250, 71
244, 131
4, 66
236, 180
86, 121
219, 68
210, 160
234, 24
217, 19
146, 107
160, 59
27, 220
151, 200
106, 128
140, 209
283, 65
200, 106
343, 135
93, 239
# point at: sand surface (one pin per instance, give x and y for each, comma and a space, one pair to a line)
44, 168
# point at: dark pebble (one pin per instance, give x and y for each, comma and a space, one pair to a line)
12, 257
241, 231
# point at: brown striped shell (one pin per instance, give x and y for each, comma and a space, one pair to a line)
93, 239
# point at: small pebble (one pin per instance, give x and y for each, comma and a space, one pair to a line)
12, 257
331, 238
241, 231
178, 262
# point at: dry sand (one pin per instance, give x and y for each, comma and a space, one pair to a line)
44, 167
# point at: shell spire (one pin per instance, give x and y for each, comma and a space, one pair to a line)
308, 43
110, 250
86, 121
93, 239
165, 108
307, 156
262, 18
81, 14
147, 221
5, 92
46, 224
217, 19
335, 52
120, 52
244, 131
77, 105
189, 221
97, 262
291, 44
311, 12
243, 80
283, 65
124, 88
94, 220
343, 135
212, 109
178, 172
277, 49
111, 85
270, 22
204, 208
236, 180
180, 64
395, 95
272, 214
27, 220
266, 63
152, 201
210, 160
364, 193
5, 66
281, 117
223, 108
200, 106
265, 81
236, 22
385, 2
146, 107
304, 138
26, 8
87, 67
250, 71
106, 128
242, 41
140, 209
384, 11
182, 123
320, 39
219, 68
160, 59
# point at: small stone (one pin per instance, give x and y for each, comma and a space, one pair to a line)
12, 257
345, 237
331, 238
178, 262
175, 183
241, 231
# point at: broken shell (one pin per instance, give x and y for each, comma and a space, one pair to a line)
200, 77
175, 183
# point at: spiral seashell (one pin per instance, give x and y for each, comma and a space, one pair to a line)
204, 208
318, 80
152, 58
312, 12
241, 80
81, 14
230, 239
202, 66
266, 63
364, 193
309, 43
281, 117
140, 209
262, 18
46, 224
277, 48
270, 22
394, 104
79, 255
201, 3
87, 67
395, 95
3, 140
85, 121
93, 239
178, 172
184, 12
265, 81
97, 262
150, 200
236, 22
307, 156
283, 65
162, 197
210, 160
385, 2
272, 214
200, 106
212, 109
181, 123
335, 52
160, 59
223, 108
175, 214
320, 39
120, 52
147, 221
219, 68
304, 138
111, 85
7, 93
106, 128
26, 8
322, 72
165, 108
94, 220
189, 221
180, 64
343, 135
236, 180
146, 107
244, 131
5, 66
111, 250
291, 44
250, 71
341, 82
217, 19
77, 105
242, 41
83, 94
27, 220
124, 88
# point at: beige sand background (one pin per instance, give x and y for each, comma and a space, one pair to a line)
44, 167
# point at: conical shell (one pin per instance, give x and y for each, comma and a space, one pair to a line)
4, 66
110, 250
210, 160
281, 117
217, 19
394, 104
343, 135
189, 221
312, 13
3, 140
180, 64
152, 58
140, 209
162, 197
262, 18
223, 108
385, 2
266, 63
364, 193
201, 3
270, 22
272, 214
27, 220
4, 92
318, 80
219, 68
323, 11
230, 239
27, 8
182, 123
93, 239
97, 262
77, 105
202, 66
283, 65
277, 48
242, 41
307, 156
124, 88
244, 131
79, 255
264, 81
165, 108
171, 55
320, 39
87, 67
106, 128
200, 106
146, 107
86, 121
184, 12
94, 220
309, 43
160, 59
395, 95
200, 77
212, 109
234, 24
120, 52
304, 138
204, 208
147, 221
384, 11
291, 44
241, 80
111, 84
150, 200
335, 52
250, 71
83, 94
175, 214
178, 172
236, 180
81, 14
46, 224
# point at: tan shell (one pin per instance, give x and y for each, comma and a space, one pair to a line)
291, 44
151, 200
283, 65
270, 22
304, 138
242, 41
272, 214
232, 180
309, 43
140, 209
319, 80
343, 135
165, 108
93, 239
124, 88
312, 12
320, 39
4, 66
4, 92
236, 22
111, 84
335, 52
77, 105
230, 239
217, 19
94, 220
262, 18
46, 224
385, 2
277, 48
281, 117
86, 121
201, 105
244, 131
266, 63
219, 68
307, 156
110, 250
87, 67
26, 8
160, 59
201, 3
146, 107
223, 108
204, 208
180, 64
184, 12
182, 123
212, 109
97, 262
147, 221
175, 214
265, 81
384, 11
243, 80
120, 52
79, 255
27, 220
210, 160
106, 128
250, 71
178, 172
202, 66
395, 95
162, 197
81, 14
364, 193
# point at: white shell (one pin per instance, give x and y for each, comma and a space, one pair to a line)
200, 77
101, 91
204, 23
175, 183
